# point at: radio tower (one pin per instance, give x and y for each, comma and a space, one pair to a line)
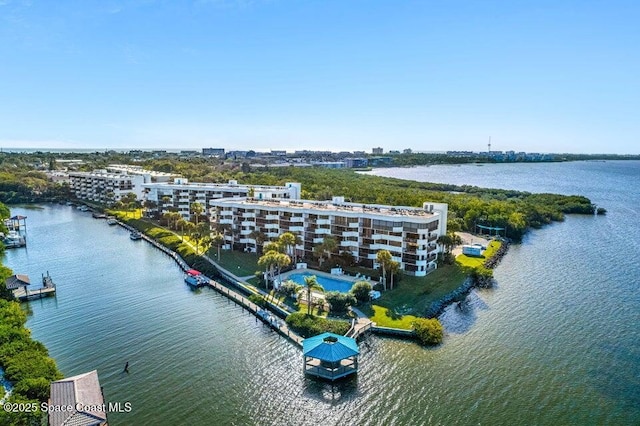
489, 144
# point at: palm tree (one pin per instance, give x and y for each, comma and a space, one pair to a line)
217, 239
318, 252
223, 228
204, 231
282, 260
329, 245
394, 267
196, 209
175, 217
189, 227
383, 257
181, 224
272, 246
259, 237
165, 200
288, 241
149, 205
268, 261
206, 243
196, 237
311, 283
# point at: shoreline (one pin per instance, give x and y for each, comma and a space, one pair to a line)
435, 309
237, 298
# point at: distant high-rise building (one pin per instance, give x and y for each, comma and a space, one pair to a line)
377, 151
213, 152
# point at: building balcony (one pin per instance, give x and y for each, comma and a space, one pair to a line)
347, 234
349, 244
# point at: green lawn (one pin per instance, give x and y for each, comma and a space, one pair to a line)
385, 317
473, 261
237, 262
411, 297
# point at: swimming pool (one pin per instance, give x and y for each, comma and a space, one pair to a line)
329, 284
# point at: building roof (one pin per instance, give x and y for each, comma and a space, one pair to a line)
82, 391
18, 217
330, 347
339, 207
18, 280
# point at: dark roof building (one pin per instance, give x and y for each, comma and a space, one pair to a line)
14, 282
84, 395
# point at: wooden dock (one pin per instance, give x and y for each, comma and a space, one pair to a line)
359, 325
265, 316
23, 294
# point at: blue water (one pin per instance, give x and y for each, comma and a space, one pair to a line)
329, 284
557, 342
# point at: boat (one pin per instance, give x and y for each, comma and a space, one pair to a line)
135, 235
97, 215
13, 240
112, 220
195, 278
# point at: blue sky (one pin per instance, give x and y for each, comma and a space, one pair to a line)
547, 76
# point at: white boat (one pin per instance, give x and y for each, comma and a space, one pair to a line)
112, 220
135, 235
13, 240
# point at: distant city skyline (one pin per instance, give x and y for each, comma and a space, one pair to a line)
548, 77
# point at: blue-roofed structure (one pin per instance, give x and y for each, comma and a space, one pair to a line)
330, 356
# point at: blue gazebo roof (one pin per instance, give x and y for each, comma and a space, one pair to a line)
326, 350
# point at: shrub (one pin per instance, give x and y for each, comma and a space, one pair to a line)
428, 331
288, 288
339, 302
34, 388
258, 300
361, 290
309, 325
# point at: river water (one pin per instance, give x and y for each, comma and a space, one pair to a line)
556, 342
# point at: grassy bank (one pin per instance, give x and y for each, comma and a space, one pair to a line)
399, 307
476, 261
236, 262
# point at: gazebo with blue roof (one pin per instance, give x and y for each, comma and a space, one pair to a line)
330, 356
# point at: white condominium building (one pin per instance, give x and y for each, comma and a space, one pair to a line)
408, 233
149, 175
181, 194
104, 187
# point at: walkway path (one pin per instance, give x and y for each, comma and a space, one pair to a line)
360, 325
274, 322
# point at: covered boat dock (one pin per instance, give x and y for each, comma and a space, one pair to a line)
330, 356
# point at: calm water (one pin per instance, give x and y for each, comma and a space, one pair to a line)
556, 342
